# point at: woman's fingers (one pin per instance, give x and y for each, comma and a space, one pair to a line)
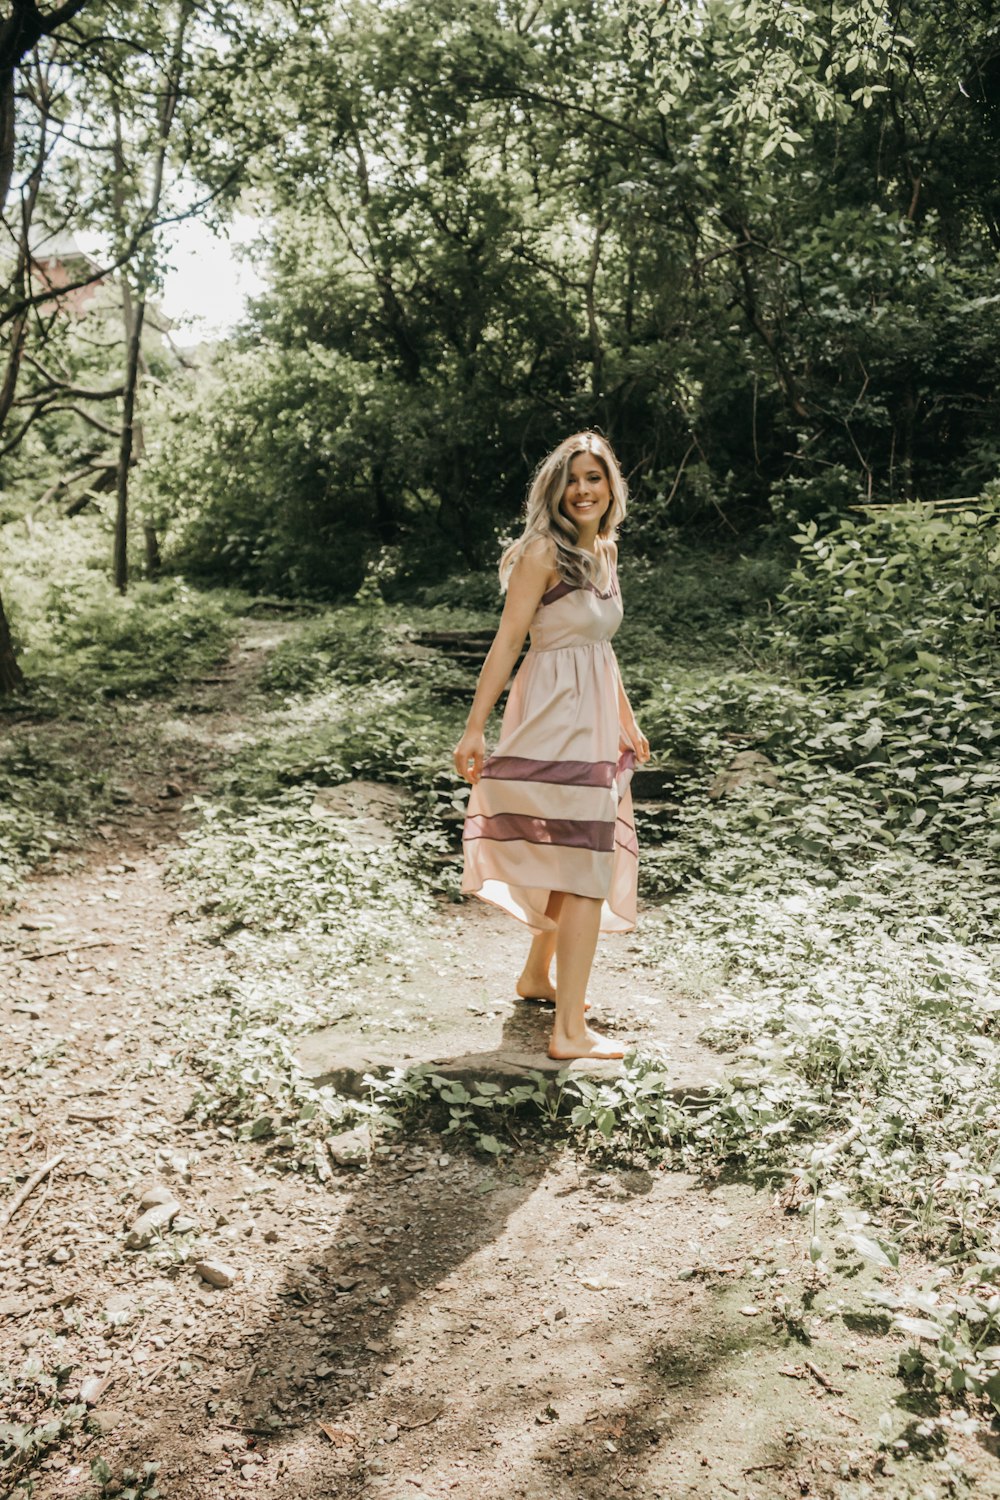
469, 762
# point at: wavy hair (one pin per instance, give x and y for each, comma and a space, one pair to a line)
545, 519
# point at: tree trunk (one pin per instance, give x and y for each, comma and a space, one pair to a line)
135, 313
11, 677
125, 448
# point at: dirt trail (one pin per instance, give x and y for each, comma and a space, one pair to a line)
433, 1325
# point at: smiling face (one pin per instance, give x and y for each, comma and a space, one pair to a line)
587, 495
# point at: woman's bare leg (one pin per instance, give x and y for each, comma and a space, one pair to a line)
535, 982
576, 941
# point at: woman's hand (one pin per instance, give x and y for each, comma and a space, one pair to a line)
639, 743
470, 752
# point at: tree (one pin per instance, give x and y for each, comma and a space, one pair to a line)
21, 29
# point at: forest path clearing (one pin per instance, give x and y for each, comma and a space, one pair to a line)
434, 1324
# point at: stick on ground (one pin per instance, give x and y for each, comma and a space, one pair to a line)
29, 1187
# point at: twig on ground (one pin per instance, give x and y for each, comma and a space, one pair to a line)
29, 1187
73, 948
824, 1380
25, 1224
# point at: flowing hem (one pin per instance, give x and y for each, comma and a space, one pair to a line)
532, 915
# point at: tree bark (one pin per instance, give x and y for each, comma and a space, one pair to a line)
135, 313
125, 449
11, 676
20, 31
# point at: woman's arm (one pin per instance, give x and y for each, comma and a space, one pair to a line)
531, 576
627, 719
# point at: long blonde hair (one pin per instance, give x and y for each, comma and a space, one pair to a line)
545, 519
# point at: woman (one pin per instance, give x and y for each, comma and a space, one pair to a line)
549, 834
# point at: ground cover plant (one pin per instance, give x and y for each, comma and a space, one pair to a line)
93, 659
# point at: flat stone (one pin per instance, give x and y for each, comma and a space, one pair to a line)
151, 1223
216, 1273
351, 1148
326, 1061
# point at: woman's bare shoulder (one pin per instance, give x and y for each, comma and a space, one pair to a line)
540, 549
539, 554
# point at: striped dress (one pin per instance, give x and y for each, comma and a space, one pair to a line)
553, 808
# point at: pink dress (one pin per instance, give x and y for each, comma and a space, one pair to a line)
553, 808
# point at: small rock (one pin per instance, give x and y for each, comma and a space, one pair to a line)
106, 1418
91, 1388
151, 1223
172, 789
184, 1225
248, 1471
216, 1273
156, 1194
749, 1312
60, 1255
350, 1148
270, 1236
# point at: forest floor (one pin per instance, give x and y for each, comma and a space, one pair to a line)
428, 1322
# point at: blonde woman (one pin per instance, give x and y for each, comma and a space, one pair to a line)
549, 834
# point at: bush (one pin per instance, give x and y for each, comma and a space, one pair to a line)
908, 595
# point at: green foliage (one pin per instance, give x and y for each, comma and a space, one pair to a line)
45, 800
907, 597
134, 1484
285, 865
88, 654
81, 641
37, 1418
751, 330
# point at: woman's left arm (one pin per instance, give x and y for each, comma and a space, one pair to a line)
626, 715
627, 719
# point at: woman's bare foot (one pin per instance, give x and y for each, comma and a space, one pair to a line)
536, 987
587, 1044
539, 991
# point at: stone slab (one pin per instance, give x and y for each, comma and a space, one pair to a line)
450, 1004
328, 1058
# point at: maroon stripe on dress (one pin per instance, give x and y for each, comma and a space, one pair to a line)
558, 772
627, 761
625, 838
558, 590
570, 833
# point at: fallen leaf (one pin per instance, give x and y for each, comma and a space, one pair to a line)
340, 1437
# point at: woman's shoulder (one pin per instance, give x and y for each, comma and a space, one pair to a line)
539, 552
612, 549
540, 549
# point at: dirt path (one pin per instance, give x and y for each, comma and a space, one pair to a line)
433, 1325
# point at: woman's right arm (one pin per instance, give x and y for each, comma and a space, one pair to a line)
531, 575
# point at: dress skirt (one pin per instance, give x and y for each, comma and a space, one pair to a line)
553, 808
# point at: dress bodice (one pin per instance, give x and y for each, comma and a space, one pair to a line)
569, 617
